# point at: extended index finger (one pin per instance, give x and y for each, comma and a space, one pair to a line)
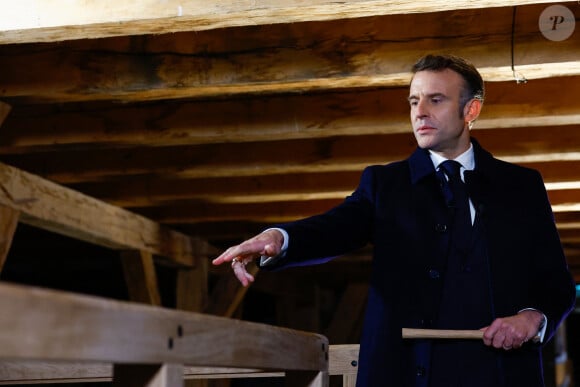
246, 249
227, 256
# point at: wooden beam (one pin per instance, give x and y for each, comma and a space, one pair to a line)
272, 212
42, 372
29, 21
193, 212
37, 372
147, 191
8, 223
563, 197
192, 287
4, 111
50, 325
299, 157
55, 208
344, 54
343, 360
140, 277
539, 103
331, 185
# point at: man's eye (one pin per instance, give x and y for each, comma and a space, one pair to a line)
435, 100
413, 103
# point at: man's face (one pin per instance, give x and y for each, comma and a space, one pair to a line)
436, 112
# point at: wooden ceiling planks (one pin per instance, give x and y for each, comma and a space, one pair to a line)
57, 20
281, 58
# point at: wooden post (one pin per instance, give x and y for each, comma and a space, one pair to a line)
144, 375
192, 295
140, 277
343, 360
8, 222
4, 111
192, 287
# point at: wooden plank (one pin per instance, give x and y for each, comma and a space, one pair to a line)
57, 326
140, 277
31, 21
147, 375
236, 189
205, 383
8, 223
331, 185
335, 184
300, 156
36, 372
39, 372
4, 111
355, 54
249, 120
271, 212
349, 381
55, 208
343, 359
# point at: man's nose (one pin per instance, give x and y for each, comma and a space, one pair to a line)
421, 109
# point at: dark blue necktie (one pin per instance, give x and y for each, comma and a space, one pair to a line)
457, 199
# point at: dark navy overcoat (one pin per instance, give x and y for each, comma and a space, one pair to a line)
398, 208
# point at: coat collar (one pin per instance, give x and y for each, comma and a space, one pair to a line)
420, 164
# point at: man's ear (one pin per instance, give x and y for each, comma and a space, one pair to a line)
472, 109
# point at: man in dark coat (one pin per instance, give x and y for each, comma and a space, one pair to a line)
503, 271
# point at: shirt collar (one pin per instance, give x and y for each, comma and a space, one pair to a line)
466, 159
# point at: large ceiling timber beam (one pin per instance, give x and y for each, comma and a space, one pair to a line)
268, 212
343, 54
58, 209
148, 190
540, 102
330, 185
194, 212
143, 191
337, 154
28, 21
